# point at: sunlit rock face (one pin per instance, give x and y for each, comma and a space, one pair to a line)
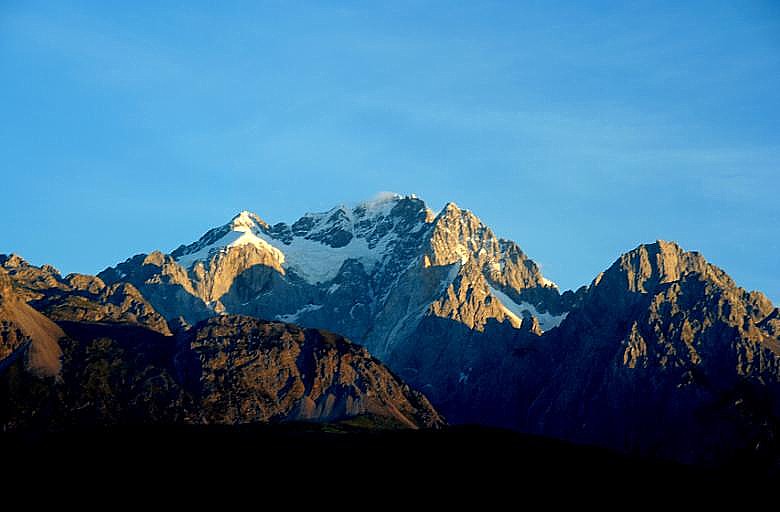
27, 337
249, 370
80, 297
227, 370
662, 354
380, 272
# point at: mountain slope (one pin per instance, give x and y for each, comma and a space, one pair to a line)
312, 270
667, 355
662, 354
79, 297
264, 371
26, 335
227, 370
379, 272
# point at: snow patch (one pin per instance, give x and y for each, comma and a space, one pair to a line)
417, 227
319, 263
312, 260
547, 321
293, 317
244, 221
242, 234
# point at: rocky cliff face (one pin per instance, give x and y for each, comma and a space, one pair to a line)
667, 355
379, 272
227, 370
339, 268
78, 297
662, 354
26, 336
470, 320
266, 371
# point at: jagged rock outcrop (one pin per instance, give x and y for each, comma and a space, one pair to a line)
164, 283
662, 354
379, 273
227, 370
344, 263
246, 368
667, 356
30, 281
26, 336
79, 297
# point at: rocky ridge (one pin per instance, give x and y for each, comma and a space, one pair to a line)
379, 272
666, 355
228, 370
26, 336
267, 370
662, 354
79, 297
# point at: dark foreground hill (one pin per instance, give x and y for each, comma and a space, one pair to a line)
226, 370
358, 450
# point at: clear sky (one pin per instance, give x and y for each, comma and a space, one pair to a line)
577, 129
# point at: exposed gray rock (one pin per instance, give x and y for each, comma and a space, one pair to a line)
379, 273
666, 356
662, 354
79, 297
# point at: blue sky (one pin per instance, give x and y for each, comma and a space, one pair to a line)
578, 129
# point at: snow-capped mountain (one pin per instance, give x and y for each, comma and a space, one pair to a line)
315, 247
341, 270
661, 354
388, 273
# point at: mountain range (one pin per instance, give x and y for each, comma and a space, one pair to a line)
438, 321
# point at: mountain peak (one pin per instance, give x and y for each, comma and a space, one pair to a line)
660, 262
369, 247
383, 203
246, 220
667, 245
12, 260
244, 229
